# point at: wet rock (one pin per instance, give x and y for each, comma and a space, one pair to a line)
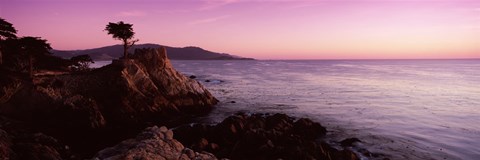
261, 136
349, 142
279, 122
192, 77
308, 129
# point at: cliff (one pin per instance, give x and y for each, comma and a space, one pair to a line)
144, 88
105, 105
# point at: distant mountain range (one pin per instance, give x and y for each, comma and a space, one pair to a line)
116, 51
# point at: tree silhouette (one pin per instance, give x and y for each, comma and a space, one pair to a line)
122, 31
81, 62
6, 31
34, 47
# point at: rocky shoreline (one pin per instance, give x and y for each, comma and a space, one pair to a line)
261, 136
102, 114
240, 136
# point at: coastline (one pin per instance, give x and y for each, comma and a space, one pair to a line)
59, 117
240, 136
74, 123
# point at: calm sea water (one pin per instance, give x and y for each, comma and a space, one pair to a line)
405, 109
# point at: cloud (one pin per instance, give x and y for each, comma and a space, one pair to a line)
212, 4
209, 20
132, 14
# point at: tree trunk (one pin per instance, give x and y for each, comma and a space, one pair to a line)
1, 58
125, 47
30, 61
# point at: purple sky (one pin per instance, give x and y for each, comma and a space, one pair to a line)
264, 29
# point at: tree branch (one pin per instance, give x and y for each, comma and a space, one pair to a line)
132, 43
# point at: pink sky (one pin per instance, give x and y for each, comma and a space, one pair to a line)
263, 29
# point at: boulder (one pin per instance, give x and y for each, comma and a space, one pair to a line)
152, 143
349, 142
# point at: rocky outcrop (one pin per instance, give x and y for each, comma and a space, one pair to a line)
32, 146
5, 145
260, 136
106, 105
143, 89
153, 143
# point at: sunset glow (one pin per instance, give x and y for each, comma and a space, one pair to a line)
264, 29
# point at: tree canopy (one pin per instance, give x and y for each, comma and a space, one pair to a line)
81, 62
122, 31
21, 54
34, 46
7, 30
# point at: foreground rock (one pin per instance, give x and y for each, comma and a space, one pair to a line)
20, 143
261, 136
153, 143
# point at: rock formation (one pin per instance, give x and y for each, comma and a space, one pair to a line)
21, 143
106, 105
260, 136
143, 89
153, 143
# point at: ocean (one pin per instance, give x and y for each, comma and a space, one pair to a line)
403, 109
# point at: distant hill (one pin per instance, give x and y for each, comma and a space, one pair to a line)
116, 51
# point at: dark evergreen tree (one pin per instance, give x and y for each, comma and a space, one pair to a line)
81, 62
7, 31
33, 47
122, 31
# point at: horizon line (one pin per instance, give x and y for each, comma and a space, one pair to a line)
367, 59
